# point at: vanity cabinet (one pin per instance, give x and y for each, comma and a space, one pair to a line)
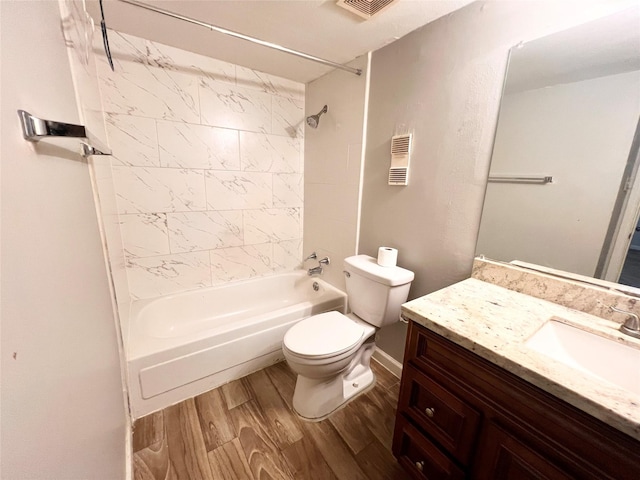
460, 416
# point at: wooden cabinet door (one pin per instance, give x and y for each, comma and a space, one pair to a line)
505, 457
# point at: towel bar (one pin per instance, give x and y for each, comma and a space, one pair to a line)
35, 129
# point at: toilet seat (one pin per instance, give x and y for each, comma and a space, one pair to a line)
322, 336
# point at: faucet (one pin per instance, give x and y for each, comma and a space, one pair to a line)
318, 270
315, 270
631, 326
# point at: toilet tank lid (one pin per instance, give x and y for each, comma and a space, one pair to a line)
368, 267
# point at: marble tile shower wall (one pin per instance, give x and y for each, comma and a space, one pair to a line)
208, 167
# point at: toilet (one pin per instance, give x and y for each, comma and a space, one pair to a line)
330, 351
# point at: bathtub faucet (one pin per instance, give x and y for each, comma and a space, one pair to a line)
318, 270
315, 270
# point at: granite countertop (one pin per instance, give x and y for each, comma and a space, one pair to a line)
495, 322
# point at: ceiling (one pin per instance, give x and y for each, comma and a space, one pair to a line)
315, 27
606, 46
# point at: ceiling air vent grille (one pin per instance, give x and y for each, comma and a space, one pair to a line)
366, 8
400, 153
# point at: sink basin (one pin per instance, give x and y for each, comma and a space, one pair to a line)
589, 353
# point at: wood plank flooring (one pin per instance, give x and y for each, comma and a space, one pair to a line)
247, 430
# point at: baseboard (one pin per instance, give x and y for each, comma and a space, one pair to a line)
388, 362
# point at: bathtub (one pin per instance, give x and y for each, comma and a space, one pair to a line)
184, 344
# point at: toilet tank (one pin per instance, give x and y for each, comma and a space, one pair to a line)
376, 293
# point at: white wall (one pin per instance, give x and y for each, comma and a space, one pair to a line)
207, 167
442, 83
332, 156
580, 133
63, 413
77, 30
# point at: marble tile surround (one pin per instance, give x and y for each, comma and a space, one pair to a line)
208, 169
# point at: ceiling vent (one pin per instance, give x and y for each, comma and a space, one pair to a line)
400, 152
366, 8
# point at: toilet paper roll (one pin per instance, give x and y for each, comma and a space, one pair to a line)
387, 257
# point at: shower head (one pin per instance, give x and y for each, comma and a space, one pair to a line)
314, 120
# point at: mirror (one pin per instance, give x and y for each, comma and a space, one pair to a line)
563, 190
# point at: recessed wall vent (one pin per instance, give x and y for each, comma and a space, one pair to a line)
400, 153
366, 8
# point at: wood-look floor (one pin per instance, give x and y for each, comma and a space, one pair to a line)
247, 430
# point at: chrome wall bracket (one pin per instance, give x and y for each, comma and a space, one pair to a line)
35, 129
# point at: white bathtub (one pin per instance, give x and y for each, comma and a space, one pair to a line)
184, 344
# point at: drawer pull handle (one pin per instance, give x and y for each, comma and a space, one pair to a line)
420, 465
430, 412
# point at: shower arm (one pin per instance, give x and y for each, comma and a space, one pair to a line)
355, 71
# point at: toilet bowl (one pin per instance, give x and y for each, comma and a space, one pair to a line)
331, 352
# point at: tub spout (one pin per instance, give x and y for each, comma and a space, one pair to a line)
315, 270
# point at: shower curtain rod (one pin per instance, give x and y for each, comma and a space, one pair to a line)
241, 36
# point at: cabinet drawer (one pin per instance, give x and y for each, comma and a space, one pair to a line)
449, 420
420, 457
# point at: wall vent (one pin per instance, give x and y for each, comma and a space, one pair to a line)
366, 8
400, 153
